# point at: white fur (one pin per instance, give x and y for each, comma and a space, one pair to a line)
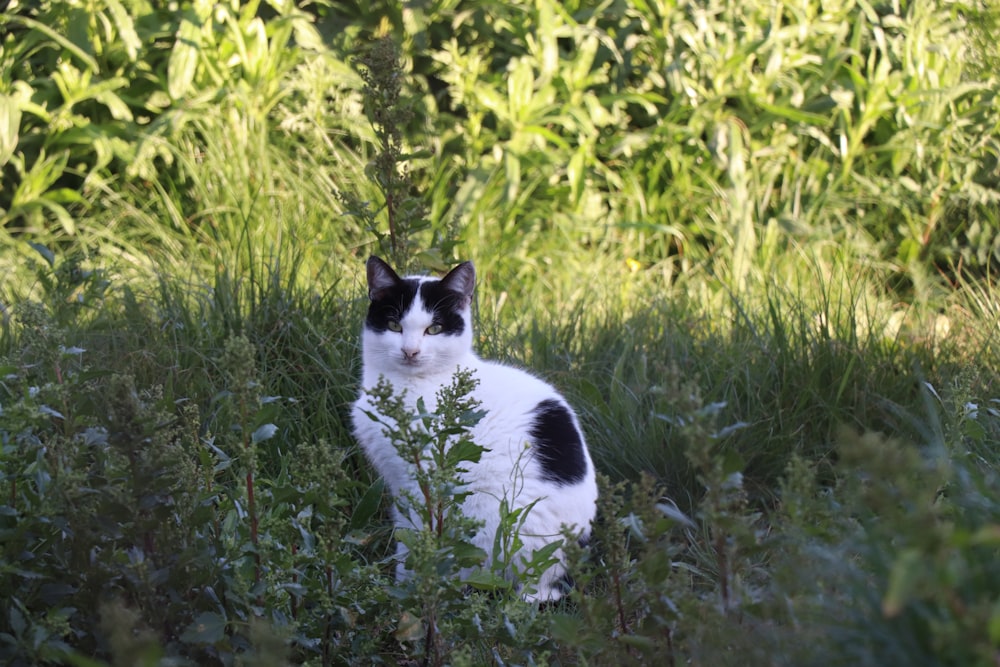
506, 470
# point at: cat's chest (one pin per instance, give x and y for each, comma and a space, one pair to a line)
495, 385
508, 396
414, 391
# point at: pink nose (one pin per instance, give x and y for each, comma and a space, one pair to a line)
410, 355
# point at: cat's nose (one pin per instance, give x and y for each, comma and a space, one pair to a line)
410, 353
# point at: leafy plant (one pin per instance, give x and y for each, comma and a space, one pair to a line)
437, 559
901, 539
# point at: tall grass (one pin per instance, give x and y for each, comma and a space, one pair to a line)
204, 127
677, 136
744, 416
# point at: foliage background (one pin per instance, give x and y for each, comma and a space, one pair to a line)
752, 241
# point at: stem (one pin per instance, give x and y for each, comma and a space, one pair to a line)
670, 647
251, 507
390, 209
295, 580
616, 579
328, 630
251, 503
425, 490
67, 428
430, 639
720, 546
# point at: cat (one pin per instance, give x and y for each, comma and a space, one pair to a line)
417, 333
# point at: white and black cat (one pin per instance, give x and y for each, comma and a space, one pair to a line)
417, 333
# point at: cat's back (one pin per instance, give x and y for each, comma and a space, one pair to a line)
509, 388
524, 410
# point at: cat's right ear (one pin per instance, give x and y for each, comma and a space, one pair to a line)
461, 279
381, 278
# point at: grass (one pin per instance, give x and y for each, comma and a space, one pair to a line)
781, 344
787, 377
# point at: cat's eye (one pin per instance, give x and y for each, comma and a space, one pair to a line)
394, 325
434, 329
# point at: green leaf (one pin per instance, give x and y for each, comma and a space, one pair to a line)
183, 63
987, 535
268, 412
468, 555
973, 429
994, 624
368, 505
794, 114
638, 641
46, 254
485, 580
126, 29
44, 172
10, 123
733, 463
115, 104
66, 221
908, 251
463, 451
904, 578
256, 48
567, 628
18, 624
409, 628
674, 514
208, 628
78, 660
56, 37
263, 432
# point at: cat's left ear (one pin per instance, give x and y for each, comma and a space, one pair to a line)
461, 279
381, 278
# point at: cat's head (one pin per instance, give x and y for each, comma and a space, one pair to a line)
417, 325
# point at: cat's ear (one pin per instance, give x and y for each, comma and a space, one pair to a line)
461, 279
381, 278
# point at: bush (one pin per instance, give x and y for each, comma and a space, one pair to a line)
675, 135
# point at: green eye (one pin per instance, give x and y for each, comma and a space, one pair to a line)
434, 329
394, 325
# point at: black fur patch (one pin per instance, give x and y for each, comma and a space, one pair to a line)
446, 306
391, 304
394, 302
557, 443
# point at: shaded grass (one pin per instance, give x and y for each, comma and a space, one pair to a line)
787, 367
170, 331
767, 380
